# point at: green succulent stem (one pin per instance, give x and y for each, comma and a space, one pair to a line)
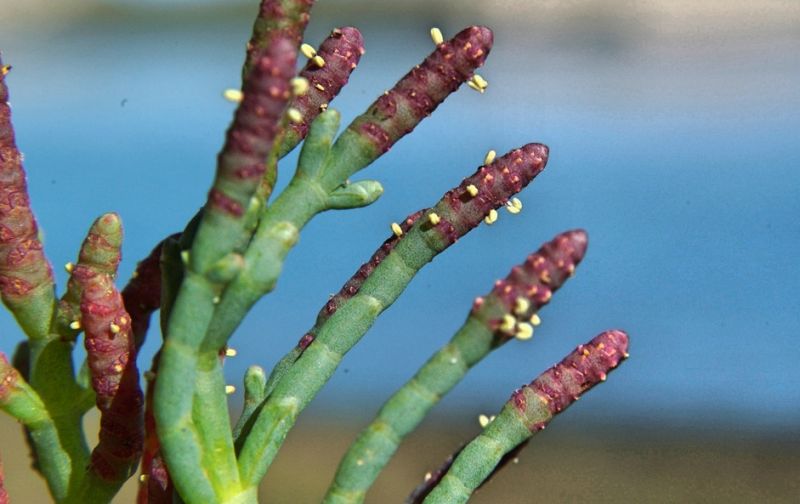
528, 412
375, 287
20, 400
519, 296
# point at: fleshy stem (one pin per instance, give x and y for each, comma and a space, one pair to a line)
493, 321
340, 52
27, 289
142, 294
529, 411
453, 216
320, 182
111, 356
26, 278
211, 263
18, 399
276, 19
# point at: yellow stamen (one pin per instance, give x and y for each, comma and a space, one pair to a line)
480, 82
535, 320
524, 331
233, 95
397, 230
299, 86
434, 218
474, 86
521, 306
320, 87
294, 115
472, 190
5, 69
436, 36
75, 325
484, 420
308, 51
323, 107
230, 389
492, 217
508, 324
114, 328
230, 352
490, 157
318, 60
69, 267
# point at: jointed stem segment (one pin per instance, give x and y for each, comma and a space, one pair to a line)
481, 333
390, 272
529, 411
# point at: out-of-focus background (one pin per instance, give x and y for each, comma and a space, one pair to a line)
674, 136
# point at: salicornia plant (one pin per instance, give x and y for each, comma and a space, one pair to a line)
206, 278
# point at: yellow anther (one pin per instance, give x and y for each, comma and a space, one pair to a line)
434, 218
512, 209
323, 107
299, 86
75, 325
436, 36
318, 60
230, 389
5, 69
114, 328
320, 87
480, 82
521, 306
544, 276
514, 203
603, 376
230, 352
508, 323
294, 115
397, 230
118, 368
215, 300
142, 478
626, 355
472, 190
484, 420
535, 320
69, 267
428, 476
492, 217
474, 86
524, 331
586, 352
490, 157
185, 257
308, 51
233, 95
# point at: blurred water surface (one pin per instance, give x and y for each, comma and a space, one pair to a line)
674, 144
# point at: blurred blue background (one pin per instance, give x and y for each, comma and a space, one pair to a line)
673, 129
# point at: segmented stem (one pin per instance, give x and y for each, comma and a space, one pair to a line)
18, 399
276, 19
100, 253
529, 411
527, 288
111, 356
456, 215
26, 278
392, 116
341, 52
142, 294
212, 263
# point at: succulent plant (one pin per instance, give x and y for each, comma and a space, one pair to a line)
206, 278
